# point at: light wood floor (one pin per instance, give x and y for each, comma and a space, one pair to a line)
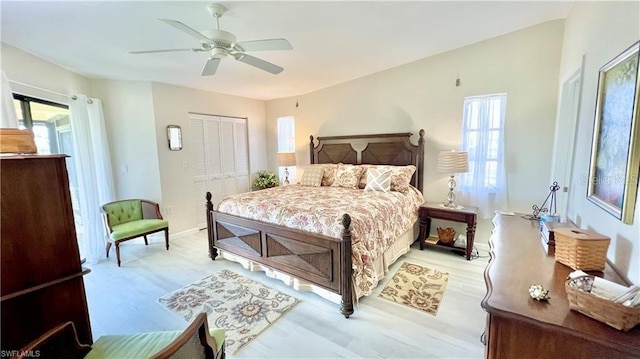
123, 300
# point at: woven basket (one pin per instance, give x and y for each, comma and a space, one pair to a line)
446, 235
580, 249
613, 314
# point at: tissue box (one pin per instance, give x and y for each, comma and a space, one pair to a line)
581, 249
13, 140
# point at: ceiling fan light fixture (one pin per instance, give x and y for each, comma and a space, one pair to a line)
219, 52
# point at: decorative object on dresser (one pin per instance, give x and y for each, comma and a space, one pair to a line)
611, 312
241, 306
535, 215
13, 140
40, 265
547, 234
286, 159
429, 210
319, 262
615, 151
519, 327
452, 162
581, 249
538, 292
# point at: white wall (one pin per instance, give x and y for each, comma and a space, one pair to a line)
423, 95
130, 124
39, 78
600, 31
172, 105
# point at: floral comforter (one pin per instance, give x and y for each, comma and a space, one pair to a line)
377, 218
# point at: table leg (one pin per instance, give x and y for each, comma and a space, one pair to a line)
471, 232
425, 227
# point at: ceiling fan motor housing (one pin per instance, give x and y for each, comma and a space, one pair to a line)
220, 38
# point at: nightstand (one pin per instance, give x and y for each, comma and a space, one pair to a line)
429, 210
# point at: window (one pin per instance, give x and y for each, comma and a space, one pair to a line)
51, 128
46, 120
484, 186
482, 138
286, 143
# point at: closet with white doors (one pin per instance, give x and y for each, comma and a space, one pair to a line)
219, 159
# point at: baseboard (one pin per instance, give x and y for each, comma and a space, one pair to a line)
184, 233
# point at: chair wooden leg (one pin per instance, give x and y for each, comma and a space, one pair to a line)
108, 247
118, 252
146, 243
166, 237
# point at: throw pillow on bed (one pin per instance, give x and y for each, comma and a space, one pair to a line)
378, 180
400, 176
312, 176
329, 174
363, 178
348, 176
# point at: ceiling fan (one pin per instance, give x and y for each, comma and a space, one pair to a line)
222, 43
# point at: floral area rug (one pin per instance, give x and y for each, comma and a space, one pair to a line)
243, 307
417, 287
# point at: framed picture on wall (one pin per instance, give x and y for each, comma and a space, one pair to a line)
615, 153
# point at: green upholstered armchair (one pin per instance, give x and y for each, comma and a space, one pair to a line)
197, 341
132, 218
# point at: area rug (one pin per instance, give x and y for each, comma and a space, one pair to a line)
417, 287
243, 307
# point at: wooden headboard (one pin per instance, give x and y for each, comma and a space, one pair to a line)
380, 149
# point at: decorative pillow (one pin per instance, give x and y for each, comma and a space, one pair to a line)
347, 176
378, 180
329, 174
400, 176
363, 179
312, 176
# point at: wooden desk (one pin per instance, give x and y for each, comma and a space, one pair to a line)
520, 327
436, 210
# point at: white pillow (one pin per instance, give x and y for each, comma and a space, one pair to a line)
312, 176
378, 180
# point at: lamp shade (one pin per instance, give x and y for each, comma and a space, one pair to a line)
453, 162
286, 159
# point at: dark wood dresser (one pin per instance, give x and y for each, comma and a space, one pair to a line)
521, 327
42, 283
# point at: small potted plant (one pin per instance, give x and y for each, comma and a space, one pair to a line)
265, 179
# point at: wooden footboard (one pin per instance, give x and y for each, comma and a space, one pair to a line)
316, 258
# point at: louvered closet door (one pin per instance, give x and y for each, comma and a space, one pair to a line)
241, 143
220, 163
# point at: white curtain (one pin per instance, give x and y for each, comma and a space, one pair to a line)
484, 186
9, 118
93, 165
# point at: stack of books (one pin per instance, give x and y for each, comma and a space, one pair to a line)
547, 236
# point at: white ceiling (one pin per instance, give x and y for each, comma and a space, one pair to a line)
333, 42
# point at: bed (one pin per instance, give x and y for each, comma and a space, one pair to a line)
323, 261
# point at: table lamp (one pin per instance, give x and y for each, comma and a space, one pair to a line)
453, 162
286, 159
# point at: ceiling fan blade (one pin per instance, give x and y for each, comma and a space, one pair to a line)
186, 29
210, 66
265, 45
167, 50
259, 63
